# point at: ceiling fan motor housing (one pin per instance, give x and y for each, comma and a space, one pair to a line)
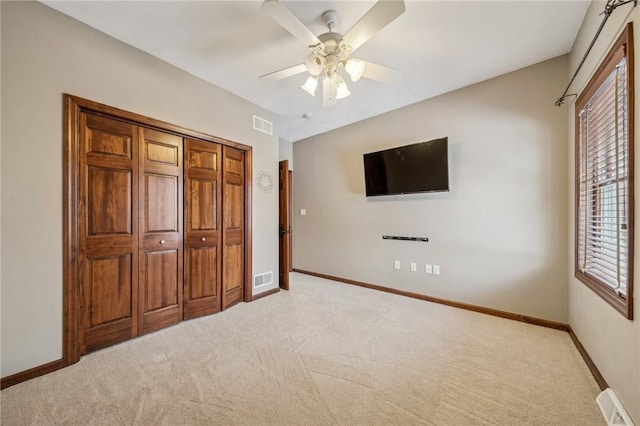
332, 64
333, 47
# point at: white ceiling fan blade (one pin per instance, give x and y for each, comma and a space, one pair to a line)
279, 13
380, 73
287, 72
379, 16
328, 92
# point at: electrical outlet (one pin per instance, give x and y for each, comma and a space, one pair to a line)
414, 267
396, 264
436, 269
428, 268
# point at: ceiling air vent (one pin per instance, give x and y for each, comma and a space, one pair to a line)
262, 125
263, 279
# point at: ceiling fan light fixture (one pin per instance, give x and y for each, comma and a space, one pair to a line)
310, 85
330, 51
355, 69
342, 91
314, 64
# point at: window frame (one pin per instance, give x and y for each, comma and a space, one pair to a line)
624, 44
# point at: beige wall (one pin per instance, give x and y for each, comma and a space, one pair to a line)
286, 152
612, 341
46, 54
499, 235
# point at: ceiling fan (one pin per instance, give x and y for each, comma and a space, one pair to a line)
330, 52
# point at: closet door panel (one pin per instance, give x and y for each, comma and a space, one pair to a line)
203, 203
233, 227
110, 280
233, 265
160, 290
160, 149
108, 137
161, 210
110, 201
160, 282
203, 273
107, 257
202, 235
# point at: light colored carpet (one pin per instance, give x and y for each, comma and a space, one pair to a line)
324, 353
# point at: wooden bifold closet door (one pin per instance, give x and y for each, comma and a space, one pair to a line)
157, 225
214, 227
137, 273
233, 229
108, 232
130, 231
202, 236
160, 207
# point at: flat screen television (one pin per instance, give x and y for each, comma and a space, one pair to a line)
420, 167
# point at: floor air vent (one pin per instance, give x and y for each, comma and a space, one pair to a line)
612, 409
263, 279
262, 125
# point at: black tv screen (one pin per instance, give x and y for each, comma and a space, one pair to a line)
420, 167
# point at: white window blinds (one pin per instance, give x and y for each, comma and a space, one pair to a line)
603, 180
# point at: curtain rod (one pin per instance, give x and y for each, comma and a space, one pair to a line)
608, 10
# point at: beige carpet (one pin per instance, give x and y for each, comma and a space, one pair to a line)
324, 353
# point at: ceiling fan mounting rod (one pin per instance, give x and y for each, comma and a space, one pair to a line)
330, 18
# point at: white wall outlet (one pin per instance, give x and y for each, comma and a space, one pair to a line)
436, 269
396, 264
303, 212
414, 267
428, 269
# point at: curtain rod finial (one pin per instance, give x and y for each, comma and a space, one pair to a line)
560, 100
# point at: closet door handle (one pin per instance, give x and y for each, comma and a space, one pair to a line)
162, 241
203, 239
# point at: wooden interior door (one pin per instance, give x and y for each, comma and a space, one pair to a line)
290, 221
284, 225
108, 232
160, 205
202, 236
233, 227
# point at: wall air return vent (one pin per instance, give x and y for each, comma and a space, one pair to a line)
263, 279
262, 125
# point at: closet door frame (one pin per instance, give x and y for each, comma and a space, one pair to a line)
73, 107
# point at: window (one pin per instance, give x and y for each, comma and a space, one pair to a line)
604, 178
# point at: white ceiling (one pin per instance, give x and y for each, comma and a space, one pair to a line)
438, 45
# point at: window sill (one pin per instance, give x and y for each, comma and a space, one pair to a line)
624, 305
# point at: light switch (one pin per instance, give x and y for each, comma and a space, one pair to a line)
428, 269
413, 267
303, 212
